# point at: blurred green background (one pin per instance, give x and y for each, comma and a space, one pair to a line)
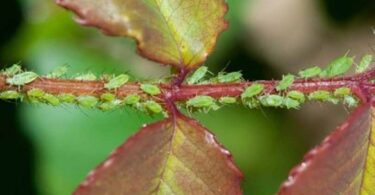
49, 151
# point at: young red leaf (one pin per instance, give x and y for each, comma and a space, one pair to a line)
180, 33
343, 164
174, 156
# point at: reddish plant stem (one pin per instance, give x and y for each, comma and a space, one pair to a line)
360, 85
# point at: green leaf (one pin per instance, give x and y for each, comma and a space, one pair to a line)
179, 33
344, 163
174, 156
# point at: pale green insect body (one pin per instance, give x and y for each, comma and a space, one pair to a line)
132, 99
107, 97
342, 92
198, 75
150, 89
86, 77
201, 101
58, 72
252, 103
87, 101
338, 67
51, 99
117, 82
252, 91
310, 72
22, 78
229, 77
286, 82
227, 100
350, 101
10, 95
320, 95
153, 106
67, 98
35, 95
296, 95
290, 103
271, 100
14, 69
105, 106
364, 63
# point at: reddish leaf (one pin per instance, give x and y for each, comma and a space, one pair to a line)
343, 164
179, 32
169, 157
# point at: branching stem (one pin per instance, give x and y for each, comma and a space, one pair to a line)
360, 84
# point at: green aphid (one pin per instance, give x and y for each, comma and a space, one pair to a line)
320, 95
22, 78
201, 101
252, 103
51, 99
67, 98
350, 101
290, 103
198, 75
87, 101
105, 106
108, 97
227, 100
286, 82
271, 100
14, 69
365, 63
10, 95
338, 67
117, 82
86, 77
230, 77
153, 107
296, 95
150, 89
310, 72
58, 72
253, 90
132, 99
342, 92
35, 95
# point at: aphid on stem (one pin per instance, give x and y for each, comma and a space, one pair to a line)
229, 77
310, 72
338, 67
286, 82
197, 76
22, 78
87, 101
14, 69
364, 63
150, 89
116, 82
10, 95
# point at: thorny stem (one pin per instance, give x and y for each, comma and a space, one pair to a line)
360, 84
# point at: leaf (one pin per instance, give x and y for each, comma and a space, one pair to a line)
168, 157
180, 33
344, 163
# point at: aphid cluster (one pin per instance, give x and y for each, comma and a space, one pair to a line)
253, 95
106, 101
199, 75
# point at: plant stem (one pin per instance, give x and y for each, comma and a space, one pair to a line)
360, 84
